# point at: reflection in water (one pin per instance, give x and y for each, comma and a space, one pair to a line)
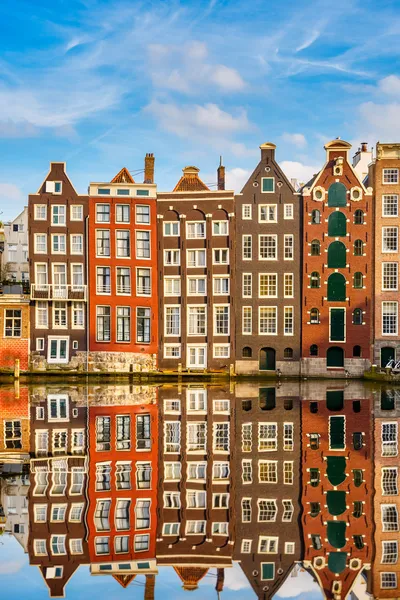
281, 479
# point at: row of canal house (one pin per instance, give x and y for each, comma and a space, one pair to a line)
271, 279
128, 479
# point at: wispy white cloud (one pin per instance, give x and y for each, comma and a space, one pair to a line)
390, 85
235, 579
236, 178
309, 40
296, 139
197, 120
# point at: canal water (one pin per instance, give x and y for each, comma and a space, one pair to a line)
229, 490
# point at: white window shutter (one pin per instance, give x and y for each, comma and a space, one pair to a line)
50, 187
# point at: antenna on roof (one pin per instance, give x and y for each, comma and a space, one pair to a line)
220, 161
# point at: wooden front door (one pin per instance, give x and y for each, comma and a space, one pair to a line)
267, 359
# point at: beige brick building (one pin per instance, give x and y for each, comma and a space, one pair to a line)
385, 566
384, 177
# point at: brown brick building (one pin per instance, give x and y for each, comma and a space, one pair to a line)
384, 176
57, 495
385, 566
196, 482
196, 237
337, 313
14, 328
268, 271
57, 266
268, 538
337, 481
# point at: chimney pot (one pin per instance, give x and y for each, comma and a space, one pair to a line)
364, 146
149, 168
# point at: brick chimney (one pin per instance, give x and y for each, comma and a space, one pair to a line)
149, 168
221, 175
220, 580
149, 588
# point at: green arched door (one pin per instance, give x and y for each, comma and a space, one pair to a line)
335, 357
337, 224
337, 195
336, 255
336, 287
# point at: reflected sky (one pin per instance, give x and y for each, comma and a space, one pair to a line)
246, 490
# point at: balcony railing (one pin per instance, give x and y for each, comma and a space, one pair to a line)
144, 290
52, 291
123, 289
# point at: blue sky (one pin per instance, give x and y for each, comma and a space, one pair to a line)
98, 83
27, 582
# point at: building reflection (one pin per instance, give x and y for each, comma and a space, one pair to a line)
278, 478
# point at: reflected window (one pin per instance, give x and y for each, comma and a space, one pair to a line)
316, 541
314, 316
315, 280
357, 509
315, 217
288, 404
357, 316
314, 509
314, 477
357, 477
357, 440
313, 407
314, 441
356, 406
314, 350
246, 405
358, 541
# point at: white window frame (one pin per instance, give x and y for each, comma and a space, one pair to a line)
268, 207
247, 207
288, 211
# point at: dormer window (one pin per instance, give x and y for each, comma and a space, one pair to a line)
54, 187
268, 185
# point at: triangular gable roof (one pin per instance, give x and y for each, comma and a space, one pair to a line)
190, 576
337, 143
65, 171
190, 181
124, 580
269, 145
123, 177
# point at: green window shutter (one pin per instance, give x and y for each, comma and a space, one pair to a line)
336, 533
337, 562
267, 570
337, 195
336, 255
336, 502
337, 224
268, 184
336, 287
337, 325
337, 433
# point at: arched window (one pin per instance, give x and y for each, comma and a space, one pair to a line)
336, 255
358, 217
246, 405
337, 224
288, 353
247, 352
337, 195
315, 217
314, 316
336, 287
315, 248
315, 280
314, 407
314, 350
267, 398
314, 509
358, 248
357, 316
288, 404
357, 351
358, 280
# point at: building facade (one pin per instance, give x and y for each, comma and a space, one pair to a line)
385, 566
337, 312
195, 528
57, 266
268, 271
337, 484
123, 273
268, 539
196, 256
57, 504
123, 480
384, 176
16, 266
14, 327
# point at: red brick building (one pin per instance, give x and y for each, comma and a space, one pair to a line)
337, 472
122, 489
337, 313
123, 272
14, 328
